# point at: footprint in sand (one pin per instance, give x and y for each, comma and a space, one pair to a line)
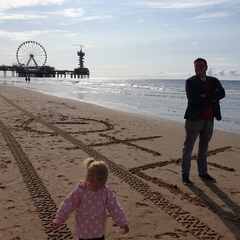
8, 233
10, 204
65, 179
167, 235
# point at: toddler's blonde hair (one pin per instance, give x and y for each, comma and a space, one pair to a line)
96, 170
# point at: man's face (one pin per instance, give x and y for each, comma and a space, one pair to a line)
200, 68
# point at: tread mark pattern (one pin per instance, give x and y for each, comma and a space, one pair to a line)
197, 228
43, 202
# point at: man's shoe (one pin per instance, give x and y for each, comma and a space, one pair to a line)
186, 181
207, 177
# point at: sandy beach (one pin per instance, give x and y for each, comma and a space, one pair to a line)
44, 140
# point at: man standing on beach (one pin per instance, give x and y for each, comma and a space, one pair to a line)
203, 94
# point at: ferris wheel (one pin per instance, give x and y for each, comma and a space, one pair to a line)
31, 54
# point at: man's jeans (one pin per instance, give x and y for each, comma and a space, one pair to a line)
203, 129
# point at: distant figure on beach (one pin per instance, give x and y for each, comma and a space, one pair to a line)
26, 79
90, 200
29, 79
203, 95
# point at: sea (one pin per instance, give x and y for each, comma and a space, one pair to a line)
160, 98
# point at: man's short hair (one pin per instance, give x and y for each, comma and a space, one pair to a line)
201, 60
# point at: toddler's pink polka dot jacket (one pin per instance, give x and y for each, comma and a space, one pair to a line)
91, 211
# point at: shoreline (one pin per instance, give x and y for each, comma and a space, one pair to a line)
54, 135
222, 125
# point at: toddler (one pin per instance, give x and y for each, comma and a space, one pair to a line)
91, 200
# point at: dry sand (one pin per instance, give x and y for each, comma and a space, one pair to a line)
44, 140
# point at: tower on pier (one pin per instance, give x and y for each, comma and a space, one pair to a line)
81, 71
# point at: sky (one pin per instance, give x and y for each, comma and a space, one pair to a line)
129, 38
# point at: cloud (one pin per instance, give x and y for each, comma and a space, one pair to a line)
210, 71
234, 73
22, 16
222, 72
213, 72
182, 4
212, 15
22, 36
140, 20
71, 12
7, 4
77, 15
159, 73
96, 17
221, 59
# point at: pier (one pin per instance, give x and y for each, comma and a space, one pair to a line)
46, 71
31, 58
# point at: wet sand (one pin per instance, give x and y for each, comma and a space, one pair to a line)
44, 140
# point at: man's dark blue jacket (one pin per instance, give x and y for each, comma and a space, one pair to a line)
194, 88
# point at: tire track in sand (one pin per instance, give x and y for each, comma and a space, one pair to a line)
46, 206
